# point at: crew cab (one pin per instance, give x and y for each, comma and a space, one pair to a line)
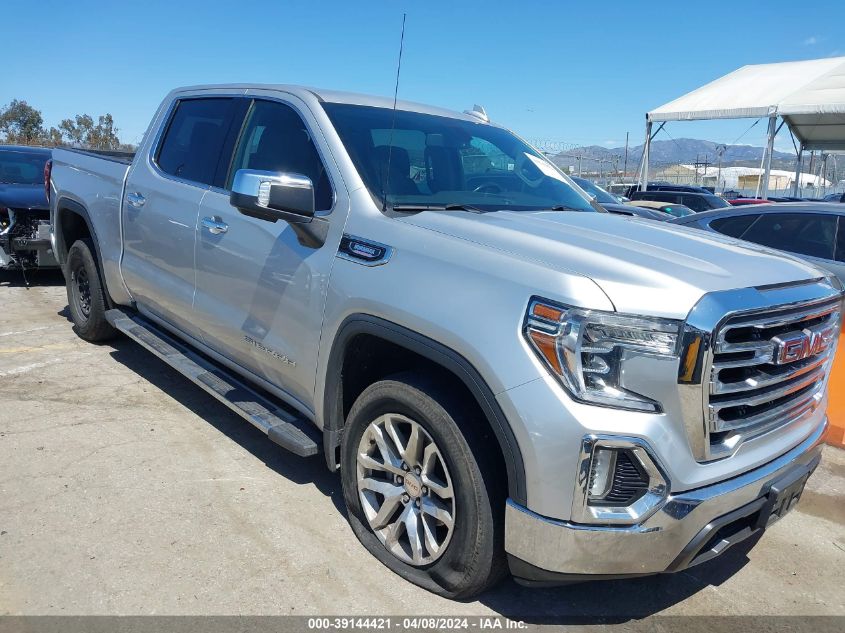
505, 376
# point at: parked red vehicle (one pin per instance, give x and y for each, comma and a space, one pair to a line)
741, 202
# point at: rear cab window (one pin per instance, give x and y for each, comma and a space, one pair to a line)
193, 142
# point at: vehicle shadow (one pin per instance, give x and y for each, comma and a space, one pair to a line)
613, 601
311, 470
32, 279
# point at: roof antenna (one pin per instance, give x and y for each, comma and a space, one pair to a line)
386, 182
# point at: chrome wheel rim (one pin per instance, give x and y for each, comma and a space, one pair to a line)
405, 489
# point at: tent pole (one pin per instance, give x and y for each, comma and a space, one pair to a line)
797, 182
646, 149
769, 149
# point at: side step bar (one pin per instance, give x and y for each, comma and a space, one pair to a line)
286, 428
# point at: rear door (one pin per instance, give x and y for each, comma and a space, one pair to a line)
163, 194
260, 293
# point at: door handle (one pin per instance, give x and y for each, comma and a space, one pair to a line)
135, 199
215, 225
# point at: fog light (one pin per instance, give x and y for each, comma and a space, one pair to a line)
601, 473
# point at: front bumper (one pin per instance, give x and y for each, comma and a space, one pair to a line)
682, 533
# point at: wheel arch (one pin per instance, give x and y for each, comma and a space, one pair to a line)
435, 354
72, 222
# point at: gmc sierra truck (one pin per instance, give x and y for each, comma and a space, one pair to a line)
506, 377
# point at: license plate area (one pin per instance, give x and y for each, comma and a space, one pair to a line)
783, 495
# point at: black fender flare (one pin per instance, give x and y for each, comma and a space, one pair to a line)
439, 354
68, 204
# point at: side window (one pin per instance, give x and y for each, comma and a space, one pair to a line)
275, 138
840, 241
192, 143
733, 226
802, 233
696, 203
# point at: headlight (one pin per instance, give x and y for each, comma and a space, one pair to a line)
587, 350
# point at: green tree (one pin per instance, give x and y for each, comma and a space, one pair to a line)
81, 131
21, 123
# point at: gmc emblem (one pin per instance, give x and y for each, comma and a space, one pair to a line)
794, 346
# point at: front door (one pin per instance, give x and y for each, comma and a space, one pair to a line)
260, 293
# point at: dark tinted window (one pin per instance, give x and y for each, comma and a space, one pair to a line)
734, 226
696, 203
840, 241
803, 233
276, 139
192, 143
715, 202
660, 196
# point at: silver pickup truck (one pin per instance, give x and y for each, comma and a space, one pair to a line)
506, 377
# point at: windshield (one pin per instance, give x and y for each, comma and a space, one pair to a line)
22, 167
440, 161
593, 189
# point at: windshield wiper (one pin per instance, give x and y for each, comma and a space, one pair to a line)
411, 207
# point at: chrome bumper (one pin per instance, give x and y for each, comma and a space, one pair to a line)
669, 540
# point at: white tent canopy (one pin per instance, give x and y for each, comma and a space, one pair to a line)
809, 96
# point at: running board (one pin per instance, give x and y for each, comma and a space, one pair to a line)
286, 428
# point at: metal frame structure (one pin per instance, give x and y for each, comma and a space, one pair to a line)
808, 96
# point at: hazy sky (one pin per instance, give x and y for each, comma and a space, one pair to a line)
582, 72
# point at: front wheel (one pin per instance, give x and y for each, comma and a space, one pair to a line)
423, 496
85, 296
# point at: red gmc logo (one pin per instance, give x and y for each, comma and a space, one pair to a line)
795, 346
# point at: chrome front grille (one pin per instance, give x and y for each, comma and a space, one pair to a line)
767, 369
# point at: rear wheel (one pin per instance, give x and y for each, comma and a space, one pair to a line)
423, 496
85, 296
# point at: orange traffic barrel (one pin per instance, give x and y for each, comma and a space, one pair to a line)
836, 405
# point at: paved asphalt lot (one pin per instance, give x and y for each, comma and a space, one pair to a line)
124, 489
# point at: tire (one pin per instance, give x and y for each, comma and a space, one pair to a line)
470, 557
85, 296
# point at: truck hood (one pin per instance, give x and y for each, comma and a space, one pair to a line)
644, 267
23, 196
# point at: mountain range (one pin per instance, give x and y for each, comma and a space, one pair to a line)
672, 152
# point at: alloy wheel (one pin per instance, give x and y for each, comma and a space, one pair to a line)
405, 489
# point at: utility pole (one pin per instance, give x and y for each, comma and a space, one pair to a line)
701, 163
625, 170
720, 149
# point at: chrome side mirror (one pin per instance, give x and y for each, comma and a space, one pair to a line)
272, 196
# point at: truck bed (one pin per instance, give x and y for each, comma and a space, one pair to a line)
93, 181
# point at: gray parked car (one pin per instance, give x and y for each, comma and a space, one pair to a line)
504, 378
813, 230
